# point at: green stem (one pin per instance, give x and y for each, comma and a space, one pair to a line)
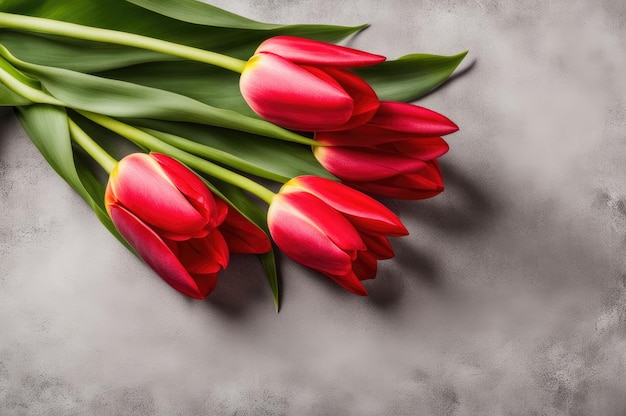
217, 155
23, 86
217, 117
92, 148
142, 138
72, 30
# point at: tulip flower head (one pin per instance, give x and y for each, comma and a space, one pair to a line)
394, 154
332, 228
302, 84
171, 218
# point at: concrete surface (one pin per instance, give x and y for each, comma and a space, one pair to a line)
508, 298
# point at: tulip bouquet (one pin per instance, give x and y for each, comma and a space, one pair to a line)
191, 111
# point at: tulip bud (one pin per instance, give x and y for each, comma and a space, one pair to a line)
393, 154
302, 84
171, 218
332, 228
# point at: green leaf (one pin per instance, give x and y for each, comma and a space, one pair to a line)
242, 203
123, 99
230, 34
410, 77
47, 128
283, 159
9, 98
269, 265
196, 12
405, 79
74, 54
211, 85
9, 77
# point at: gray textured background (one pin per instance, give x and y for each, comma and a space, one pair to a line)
509, 298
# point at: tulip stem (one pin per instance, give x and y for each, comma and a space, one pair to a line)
142, 138
76, 31
216, 155
24, 86
92, 148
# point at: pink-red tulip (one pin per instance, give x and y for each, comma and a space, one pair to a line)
302, 84
332, 228
393, 154
173, 221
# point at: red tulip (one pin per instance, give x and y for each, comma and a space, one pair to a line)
422, 184
173, 221
332, 228
393, 154
302, 84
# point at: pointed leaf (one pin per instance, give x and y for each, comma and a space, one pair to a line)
218, 30
47, 127
411, 76
200, 13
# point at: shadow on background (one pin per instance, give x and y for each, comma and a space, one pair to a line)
240, 287
464, 210
6, 116
464, 207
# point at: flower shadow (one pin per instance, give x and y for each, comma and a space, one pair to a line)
463, 211
240, 288
6, 116
409, 264
463, 208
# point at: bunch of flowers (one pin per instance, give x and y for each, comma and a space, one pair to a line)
216, 105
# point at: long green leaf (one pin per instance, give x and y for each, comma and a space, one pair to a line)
74, 54
232, 35
123, 99
283, 159
405, 79
47, 128
197, 12
410, 77
211, 85
9, 98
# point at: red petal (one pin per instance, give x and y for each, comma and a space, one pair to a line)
365, 99
206, 282
350, 282
363, 211
190, 185
364, 163
378, 246
420, 185
312, 233
290, 96
141, 185
365, 266
410, 118
242, 236
313, 52
156, 253
222, 210
204, 255
365, 135
424, 149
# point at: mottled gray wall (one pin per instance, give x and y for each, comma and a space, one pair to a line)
509, 298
